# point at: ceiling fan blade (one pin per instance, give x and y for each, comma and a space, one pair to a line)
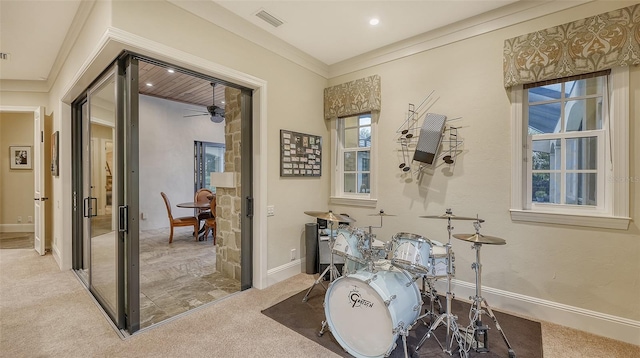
194, 110
196, 115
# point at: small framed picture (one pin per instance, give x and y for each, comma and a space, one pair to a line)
20, 157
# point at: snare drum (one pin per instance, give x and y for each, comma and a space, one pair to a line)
419, 255
367, 310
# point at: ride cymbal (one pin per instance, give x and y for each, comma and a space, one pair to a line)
452, 217
329, 215
481, 239
381, 213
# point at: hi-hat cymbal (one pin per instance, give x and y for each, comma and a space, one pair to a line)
452, 217
381, 213
329, 215
481, 239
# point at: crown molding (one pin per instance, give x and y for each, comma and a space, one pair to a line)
491, 21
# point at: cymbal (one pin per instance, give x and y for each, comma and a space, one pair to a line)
381, 213
481, 239
452, 217
329, 215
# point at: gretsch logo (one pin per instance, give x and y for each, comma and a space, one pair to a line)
356, 299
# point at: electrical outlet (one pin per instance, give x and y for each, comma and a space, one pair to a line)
29, 219
271, 210
19, 219
293, 254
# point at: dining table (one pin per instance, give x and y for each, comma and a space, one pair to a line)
196, 205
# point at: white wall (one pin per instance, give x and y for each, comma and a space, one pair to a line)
166, 156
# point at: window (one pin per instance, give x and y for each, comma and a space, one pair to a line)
208, 158
353, 181
571, 140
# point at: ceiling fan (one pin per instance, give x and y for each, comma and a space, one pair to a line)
215, 113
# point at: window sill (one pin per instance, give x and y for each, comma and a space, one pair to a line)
368, 203
604, 222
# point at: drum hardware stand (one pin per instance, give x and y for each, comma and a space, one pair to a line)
453, 332
333, 271
433, 296
480, 331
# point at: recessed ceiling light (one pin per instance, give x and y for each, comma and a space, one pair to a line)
149, 84
374, 21
171, 70
222, 102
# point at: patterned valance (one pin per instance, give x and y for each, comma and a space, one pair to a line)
592, 44
351, 98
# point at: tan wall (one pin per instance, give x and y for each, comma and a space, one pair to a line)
594, 269
16, 186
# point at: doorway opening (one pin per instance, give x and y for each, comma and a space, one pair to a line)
159, 111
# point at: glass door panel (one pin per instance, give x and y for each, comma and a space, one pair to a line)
100, 219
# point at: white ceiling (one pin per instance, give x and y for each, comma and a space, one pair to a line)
33, 31
333, 31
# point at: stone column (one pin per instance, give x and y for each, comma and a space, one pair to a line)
229, 200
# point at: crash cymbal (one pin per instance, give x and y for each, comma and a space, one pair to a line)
381, 213
452, 217
481, 239
329, 215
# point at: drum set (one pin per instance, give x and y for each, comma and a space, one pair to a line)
377, 298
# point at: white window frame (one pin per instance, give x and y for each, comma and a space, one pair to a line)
613, 211
338, 196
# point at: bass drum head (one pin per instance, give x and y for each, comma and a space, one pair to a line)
358, 318
357, 315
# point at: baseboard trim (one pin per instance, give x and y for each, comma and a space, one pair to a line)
601, 324
283, 272
16, 227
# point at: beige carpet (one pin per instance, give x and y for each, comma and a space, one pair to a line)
45, 312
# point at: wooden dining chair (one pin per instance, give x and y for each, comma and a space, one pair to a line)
202, 196
210, 223
180, 221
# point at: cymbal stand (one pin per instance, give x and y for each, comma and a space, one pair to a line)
453, 332
429, 291
479, 330
332, 269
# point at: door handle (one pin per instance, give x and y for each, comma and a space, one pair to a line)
41, 199
85, 206
249, 207
123, 218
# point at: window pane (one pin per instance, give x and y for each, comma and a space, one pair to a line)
351, 138
546, 188
582, 153
365, 121
363, 161
544, 118
363, 183
586, 87
365, 137
546, 154
350, 122
581, 189
349, 161
583, 114
350, 183
545, 93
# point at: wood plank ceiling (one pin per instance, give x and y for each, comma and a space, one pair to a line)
178, 86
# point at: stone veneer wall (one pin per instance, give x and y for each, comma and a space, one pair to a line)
228, 200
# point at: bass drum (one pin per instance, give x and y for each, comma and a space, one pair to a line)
365, 309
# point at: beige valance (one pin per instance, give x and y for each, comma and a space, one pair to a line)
588, 45
351, 98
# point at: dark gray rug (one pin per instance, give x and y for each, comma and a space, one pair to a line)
306, 319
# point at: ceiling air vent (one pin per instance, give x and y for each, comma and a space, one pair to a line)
272, 20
